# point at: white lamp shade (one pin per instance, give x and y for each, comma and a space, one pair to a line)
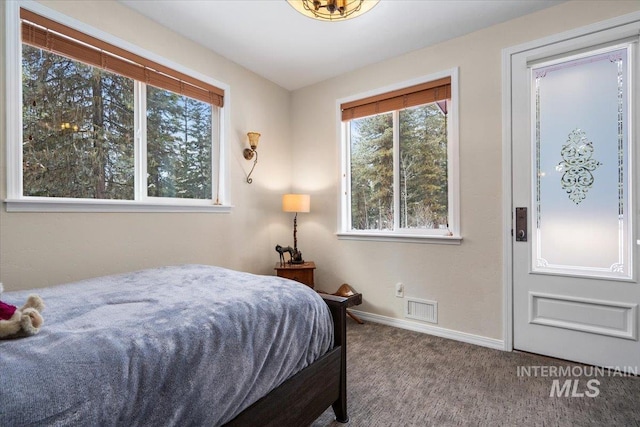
296, 203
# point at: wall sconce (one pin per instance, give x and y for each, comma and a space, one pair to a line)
249, 153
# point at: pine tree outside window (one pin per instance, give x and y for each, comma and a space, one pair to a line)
78, 127
103, 128
400, 163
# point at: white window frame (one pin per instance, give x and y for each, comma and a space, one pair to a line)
16, 201
452, 234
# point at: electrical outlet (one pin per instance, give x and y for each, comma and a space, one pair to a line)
399, 290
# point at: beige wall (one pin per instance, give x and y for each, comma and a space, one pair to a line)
465, 280
39, 249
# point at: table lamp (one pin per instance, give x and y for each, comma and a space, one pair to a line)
296, 203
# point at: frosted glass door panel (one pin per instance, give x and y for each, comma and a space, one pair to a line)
581, 166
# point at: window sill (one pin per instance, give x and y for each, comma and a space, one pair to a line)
402, 238
75, 205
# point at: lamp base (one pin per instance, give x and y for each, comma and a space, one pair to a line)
296, 257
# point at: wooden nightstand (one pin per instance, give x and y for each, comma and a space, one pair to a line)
302, 273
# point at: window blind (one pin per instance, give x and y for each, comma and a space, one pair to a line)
52, 36
424, 93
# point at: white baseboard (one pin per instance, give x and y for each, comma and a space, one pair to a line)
431, 330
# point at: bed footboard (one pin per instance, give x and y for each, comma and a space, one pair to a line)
338, 307
304, 397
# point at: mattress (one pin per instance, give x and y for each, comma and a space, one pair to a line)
179, 345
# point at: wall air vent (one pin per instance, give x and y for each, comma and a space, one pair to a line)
420, 309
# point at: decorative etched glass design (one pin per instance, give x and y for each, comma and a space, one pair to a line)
581, 165
577, 166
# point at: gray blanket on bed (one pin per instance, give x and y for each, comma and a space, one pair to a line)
174, 346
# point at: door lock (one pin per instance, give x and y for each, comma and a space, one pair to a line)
521, 224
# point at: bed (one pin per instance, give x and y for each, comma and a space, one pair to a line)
174, 346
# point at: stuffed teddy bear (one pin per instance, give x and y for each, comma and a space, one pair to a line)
20, 322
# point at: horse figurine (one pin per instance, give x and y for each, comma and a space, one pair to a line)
281, 250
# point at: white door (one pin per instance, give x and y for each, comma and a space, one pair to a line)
574, 169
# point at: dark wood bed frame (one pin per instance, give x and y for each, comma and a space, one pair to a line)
301, 399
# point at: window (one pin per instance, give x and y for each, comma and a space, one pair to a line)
178, 146
78, 126
103, 125
400, 163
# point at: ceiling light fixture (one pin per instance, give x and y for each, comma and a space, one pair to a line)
332, 10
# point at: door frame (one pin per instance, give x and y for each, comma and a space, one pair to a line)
507, 152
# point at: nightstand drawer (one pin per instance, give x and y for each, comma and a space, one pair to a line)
302, 273
302, 276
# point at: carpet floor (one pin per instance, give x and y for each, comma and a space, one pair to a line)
397, 377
